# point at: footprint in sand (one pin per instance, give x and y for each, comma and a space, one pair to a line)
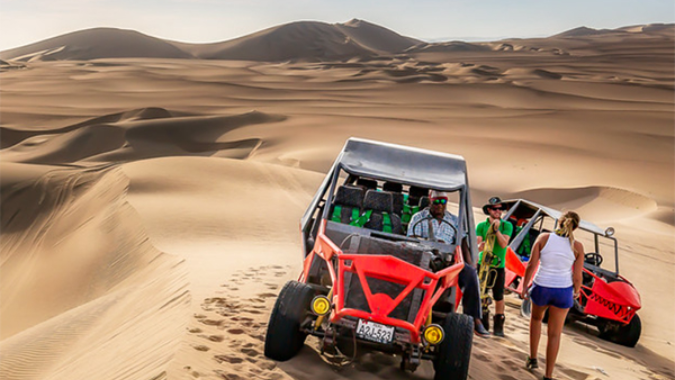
266, 295
250, 352
483, 358
507, 377
513, 366
228, 359
574, 374
212, 322
227, 375
201, 347
215, 338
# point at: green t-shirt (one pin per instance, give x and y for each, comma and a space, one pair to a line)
506, 229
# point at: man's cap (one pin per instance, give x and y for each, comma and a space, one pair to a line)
494, 201
438, 194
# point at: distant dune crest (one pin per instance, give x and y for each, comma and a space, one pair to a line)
296, 41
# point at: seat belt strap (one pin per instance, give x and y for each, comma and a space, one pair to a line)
337, 214
362, 220
386, 222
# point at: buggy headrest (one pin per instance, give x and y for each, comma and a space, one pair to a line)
392, 186
415, 193
368, 184
349, 196
378, 201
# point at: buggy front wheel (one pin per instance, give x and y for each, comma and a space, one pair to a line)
625, 335
454, 354
284, 338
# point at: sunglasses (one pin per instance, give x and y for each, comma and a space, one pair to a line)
496, 208
439, 201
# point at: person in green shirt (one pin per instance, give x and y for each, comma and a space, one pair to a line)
493, 209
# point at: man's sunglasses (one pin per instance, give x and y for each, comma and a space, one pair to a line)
439, 201
496, 208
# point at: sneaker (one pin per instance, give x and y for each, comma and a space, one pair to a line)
480, 330
532, 363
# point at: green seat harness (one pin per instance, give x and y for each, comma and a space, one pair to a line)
361, 220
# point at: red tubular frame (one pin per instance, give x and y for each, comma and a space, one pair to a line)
385, 268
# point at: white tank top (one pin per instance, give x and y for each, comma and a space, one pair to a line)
557, 258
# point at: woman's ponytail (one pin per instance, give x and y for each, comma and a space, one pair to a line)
568, 223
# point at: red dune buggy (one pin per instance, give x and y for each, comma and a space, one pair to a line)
607, 300
365, 285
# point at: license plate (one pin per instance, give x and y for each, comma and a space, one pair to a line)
374, 332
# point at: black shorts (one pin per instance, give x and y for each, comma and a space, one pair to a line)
498, 288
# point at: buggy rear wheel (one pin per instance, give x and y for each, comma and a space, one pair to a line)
625, 335
284, 338
454, 354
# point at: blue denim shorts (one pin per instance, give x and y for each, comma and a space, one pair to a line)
562, 298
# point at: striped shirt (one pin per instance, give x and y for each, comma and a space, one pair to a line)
442, 231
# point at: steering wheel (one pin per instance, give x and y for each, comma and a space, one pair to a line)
443, 221
593, 259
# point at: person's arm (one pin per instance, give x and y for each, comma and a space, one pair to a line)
503, 238
413, 221
532, 264
577, 275
479, 237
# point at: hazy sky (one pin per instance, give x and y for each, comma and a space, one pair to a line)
27, 21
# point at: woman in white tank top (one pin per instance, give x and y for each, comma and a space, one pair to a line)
555, 286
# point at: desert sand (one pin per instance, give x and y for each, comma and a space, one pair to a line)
151, 200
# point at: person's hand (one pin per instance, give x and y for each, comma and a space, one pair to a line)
575, 295
525, 294
481, 246
496, 224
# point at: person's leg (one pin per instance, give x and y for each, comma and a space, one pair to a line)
499, 307
535, 328
556, 321
498, 293
468, 282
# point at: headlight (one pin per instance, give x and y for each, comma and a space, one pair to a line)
433, 334
320, 305
609, 231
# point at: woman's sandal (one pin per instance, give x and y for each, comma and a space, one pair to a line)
532, 364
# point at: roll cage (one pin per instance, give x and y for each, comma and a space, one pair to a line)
534, 213
407, 166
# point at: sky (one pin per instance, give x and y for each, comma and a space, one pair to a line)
26, 21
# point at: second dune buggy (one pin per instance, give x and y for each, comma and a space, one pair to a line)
607, 300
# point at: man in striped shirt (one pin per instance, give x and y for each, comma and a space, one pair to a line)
432, 223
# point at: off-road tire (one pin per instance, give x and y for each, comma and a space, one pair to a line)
284, 338
454, 354
627, 335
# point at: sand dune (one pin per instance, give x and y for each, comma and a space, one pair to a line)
136, 135
319, 41
303, 40
95, 43
308, 40
150, 206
